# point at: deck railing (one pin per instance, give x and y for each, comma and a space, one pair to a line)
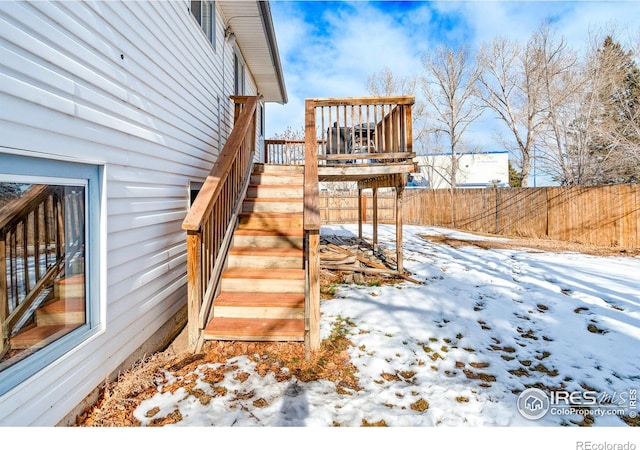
212, 217
364, 130
376, 130
33, 250
284, 151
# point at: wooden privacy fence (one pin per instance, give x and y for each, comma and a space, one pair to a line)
343, 207
603, 215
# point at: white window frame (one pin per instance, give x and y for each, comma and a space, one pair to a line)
25, 169
238, 73
204, 11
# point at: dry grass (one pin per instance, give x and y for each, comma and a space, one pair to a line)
120, 398
533, 244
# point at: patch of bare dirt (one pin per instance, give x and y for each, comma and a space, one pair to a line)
533, 244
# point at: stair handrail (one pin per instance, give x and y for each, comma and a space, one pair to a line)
213, 215
14, 216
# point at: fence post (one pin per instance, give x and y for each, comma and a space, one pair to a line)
453, 208
360, 219
375, 218
546, 193
399, 257
497, 215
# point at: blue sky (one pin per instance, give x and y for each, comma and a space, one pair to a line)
330, 48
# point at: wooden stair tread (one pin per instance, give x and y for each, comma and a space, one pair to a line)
271, 215
260, 299
256, 328
70, 280
267, 251
288, 169
38, 337
289, 232
264, 274
63, 305
276, 186
273, 200
265, 220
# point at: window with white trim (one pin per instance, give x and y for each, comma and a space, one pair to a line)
238, 74
261, 126
49, 294
205, 14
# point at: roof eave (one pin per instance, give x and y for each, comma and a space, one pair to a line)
267, 23
252, 25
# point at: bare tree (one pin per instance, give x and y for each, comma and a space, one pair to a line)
289, 134
511, 85
385, 84
568, 107
449, 87
291, 149
580, 118
592, 134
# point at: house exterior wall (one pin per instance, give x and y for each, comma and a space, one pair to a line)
136, 89
474, 170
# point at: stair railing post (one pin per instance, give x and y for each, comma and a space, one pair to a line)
4, 298
194, 285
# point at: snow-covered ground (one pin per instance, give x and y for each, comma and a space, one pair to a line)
458, 350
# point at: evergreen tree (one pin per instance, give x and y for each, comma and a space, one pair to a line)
515, 177
615, 150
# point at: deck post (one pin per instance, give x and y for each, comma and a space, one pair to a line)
360, 219
311, 219
313, 274
399, 220
375, 218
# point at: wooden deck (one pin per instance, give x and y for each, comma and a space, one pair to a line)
361, 139
365, 173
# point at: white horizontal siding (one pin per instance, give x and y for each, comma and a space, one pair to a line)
136, 87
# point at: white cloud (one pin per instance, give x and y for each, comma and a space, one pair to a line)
334, 56
329, 49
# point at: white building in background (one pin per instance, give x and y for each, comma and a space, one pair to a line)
475, 170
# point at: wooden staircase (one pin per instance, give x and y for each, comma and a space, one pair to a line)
62, 311
262, 288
